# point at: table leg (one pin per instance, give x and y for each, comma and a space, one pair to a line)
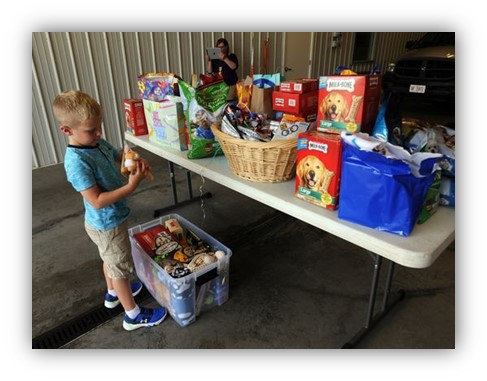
370, 319
172, 175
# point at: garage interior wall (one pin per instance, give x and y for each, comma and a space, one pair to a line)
106, 65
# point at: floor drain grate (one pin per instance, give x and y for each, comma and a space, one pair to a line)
70, 330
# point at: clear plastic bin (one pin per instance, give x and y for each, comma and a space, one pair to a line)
186, 297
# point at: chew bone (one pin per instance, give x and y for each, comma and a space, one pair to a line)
356, 100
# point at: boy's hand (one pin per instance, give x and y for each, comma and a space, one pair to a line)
138, 175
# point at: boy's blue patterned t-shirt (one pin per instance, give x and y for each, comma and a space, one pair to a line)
87, 166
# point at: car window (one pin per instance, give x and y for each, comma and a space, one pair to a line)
435, 39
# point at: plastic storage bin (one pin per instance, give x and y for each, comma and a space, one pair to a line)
186, 297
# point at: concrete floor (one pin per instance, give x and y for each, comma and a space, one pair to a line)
291, 285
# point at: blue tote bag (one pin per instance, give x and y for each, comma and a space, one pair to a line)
384, 193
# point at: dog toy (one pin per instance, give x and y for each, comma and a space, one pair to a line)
129, 163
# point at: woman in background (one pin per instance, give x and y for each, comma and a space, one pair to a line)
227, 65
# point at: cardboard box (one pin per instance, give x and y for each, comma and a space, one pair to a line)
348, 103
318, 168
297, 104
299, 86
135, 123
166, 123
185, 298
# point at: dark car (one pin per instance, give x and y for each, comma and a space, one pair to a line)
427, 69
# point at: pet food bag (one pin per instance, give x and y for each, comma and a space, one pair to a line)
213, 96
199, 120
384, 190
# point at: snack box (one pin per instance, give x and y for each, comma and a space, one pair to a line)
299, 86
166, 123
348, 102
135, 123
297, 104
318, 169
185, 298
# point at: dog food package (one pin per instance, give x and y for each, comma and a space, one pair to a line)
299, 86
348, 102
318, 169
134, 117
166, 123
297, 104
199, 120
432, 201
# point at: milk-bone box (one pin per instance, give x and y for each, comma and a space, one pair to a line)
134, 117
348, 103
318, 169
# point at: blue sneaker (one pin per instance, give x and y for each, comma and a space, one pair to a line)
147, 317
113, 301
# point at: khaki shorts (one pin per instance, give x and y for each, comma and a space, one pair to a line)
114, 248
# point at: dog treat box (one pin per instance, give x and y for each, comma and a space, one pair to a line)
134, 117
348, 102
318, 169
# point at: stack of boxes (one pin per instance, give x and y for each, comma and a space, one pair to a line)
337, 103
297, 97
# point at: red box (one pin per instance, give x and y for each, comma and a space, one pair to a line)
134, 117
299, 86
348, 103
292, 103
318, 169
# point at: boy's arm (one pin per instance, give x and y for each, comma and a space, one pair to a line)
99, 199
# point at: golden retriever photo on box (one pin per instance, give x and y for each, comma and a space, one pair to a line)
311, 173
334, 107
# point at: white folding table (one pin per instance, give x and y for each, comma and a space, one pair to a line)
419, 250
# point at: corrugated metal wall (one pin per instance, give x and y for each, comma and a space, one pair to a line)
106, 66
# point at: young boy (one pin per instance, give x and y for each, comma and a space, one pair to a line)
90, 167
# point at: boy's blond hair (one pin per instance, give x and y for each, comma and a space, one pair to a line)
74, 107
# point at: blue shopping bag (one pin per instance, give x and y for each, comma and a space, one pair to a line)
266, 81
384, 193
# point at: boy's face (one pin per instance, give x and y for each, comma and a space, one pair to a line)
87, 133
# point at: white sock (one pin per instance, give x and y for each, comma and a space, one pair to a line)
133, 313
112, 292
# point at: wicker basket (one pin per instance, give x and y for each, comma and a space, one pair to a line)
258, 161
